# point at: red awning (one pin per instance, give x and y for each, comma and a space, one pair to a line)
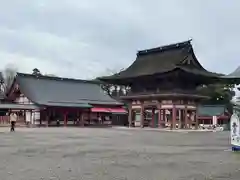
96, 109
117, 110
109, 110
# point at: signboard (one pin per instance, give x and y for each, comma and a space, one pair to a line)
214, 120
235, 132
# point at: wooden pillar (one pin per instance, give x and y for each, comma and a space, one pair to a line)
31, 119
24, 116
40, 120
196, 120
81, 119
89, 116
8, 118
164, 116
159, 116
153, 118
142, 116
130, 115
47, 112
186, 117
65, 118
174, 113
180, 119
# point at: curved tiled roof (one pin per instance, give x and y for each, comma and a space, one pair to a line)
235, 74
55, 91
162, 60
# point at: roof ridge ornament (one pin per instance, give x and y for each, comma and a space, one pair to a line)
165, 47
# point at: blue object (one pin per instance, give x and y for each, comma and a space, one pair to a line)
235, 148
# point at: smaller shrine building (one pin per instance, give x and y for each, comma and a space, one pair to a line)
50, 101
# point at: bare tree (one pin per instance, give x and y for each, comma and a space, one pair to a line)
36, 72
114, 90
1, 83
8, 76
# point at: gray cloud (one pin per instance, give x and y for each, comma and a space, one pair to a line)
84, 38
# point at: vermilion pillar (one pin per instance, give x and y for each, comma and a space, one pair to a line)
174, 116
81, 119
153, 118
130, 115
186, 117
47, 117
160, 118
65, 118
142, 116
196, 123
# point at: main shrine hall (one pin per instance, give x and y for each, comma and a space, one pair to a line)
163, 85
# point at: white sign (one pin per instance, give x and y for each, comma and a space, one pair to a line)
214, 120
235, 131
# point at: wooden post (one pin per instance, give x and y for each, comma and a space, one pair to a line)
142, 116
186, 117
47, 117
89, 116
174, 117
81, 119
24, 116
164, 116
153, 118
196, 120
130, 115
159, 116
179, 119
31, 119
65, 118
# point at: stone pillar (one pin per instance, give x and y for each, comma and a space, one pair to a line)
130, 115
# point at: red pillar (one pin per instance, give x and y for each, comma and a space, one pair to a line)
89, 116
47, 116
81, 119
161, 121
160, 118
186, 117
130, 115
142, 116
153, 118
65, 118
196, 120
174, 113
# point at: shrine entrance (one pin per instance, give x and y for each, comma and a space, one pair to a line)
160, 115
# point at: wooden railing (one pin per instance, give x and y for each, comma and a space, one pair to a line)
172, 91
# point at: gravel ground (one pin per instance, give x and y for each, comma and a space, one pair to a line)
115, 154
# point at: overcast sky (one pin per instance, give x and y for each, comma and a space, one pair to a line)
84, 38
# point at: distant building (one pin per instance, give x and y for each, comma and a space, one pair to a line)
207, 114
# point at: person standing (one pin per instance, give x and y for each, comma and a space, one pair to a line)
13, 119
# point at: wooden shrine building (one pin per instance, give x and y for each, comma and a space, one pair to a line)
163, 83
60, 101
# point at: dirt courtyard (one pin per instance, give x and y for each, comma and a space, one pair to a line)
115, 154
